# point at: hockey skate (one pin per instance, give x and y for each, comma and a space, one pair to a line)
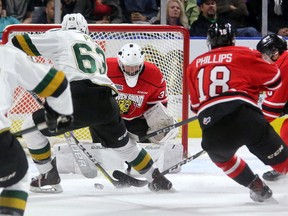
272, 175
259, 191
48, 182
160, 182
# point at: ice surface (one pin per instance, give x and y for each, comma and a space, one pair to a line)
199, 189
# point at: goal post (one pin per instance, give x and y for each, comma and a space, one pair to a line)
165, 46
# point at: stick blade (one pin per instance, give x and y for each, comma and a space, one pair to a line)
129, 180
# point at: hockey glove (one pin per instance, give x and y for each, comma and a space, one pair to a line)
157, 117
56, 121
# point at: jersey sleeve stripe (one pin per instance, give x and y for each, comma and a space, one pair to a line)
24, 43
53, 84
274, 110
275, 82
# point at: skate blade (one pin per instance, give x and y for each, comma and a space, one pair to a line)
268, 201
274, 179
47, 189
172, 190
271, 200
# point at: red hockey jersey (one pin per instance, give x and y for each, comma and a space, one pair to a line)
228, 74
275, 101
150, 89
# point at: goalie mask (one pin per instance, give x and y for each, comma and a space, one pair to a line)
75, 21
131, 61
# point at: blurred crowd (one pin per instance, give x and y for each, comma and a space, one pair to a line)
195, 15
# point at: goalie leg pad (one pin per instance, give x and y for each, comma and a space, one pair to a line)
66, 163
164, 156
171, 154
13, 161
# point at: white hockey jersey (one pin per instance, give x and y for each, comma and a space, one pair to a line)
17, 69
71, 51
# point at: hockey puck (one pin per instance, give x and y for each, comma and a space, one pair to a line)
98, 186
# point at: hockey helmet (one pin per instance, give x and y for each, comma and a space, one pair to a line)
75, 21
271, 45
131, 61
220, 35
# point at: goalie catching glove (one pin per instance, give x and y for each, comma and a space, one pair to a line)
56, 121
157, 118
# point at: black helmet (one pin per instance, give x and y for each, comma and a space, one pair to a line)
272, 43
220, 35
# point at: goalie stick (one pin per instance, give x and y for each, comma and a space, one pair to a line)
79, 156
167, 129
124, 177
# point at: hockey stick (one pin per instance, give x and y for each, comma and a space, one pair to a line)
40, 126
167, 129
117, 183
80, 158
124, 177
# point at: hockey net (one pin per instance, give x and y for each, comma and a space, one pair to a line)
165, 46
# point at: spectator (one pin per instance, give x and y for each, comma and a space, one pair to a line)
277, 16
176, 14
236, 13
47, 16
158, 2
21, 10
253, 10
39, 8
140, 11
100, 11
191, 10
5, 20
67, 7
206, 17
40, 3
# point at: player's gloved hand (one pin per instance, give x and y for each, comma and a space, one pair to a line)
56, 121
